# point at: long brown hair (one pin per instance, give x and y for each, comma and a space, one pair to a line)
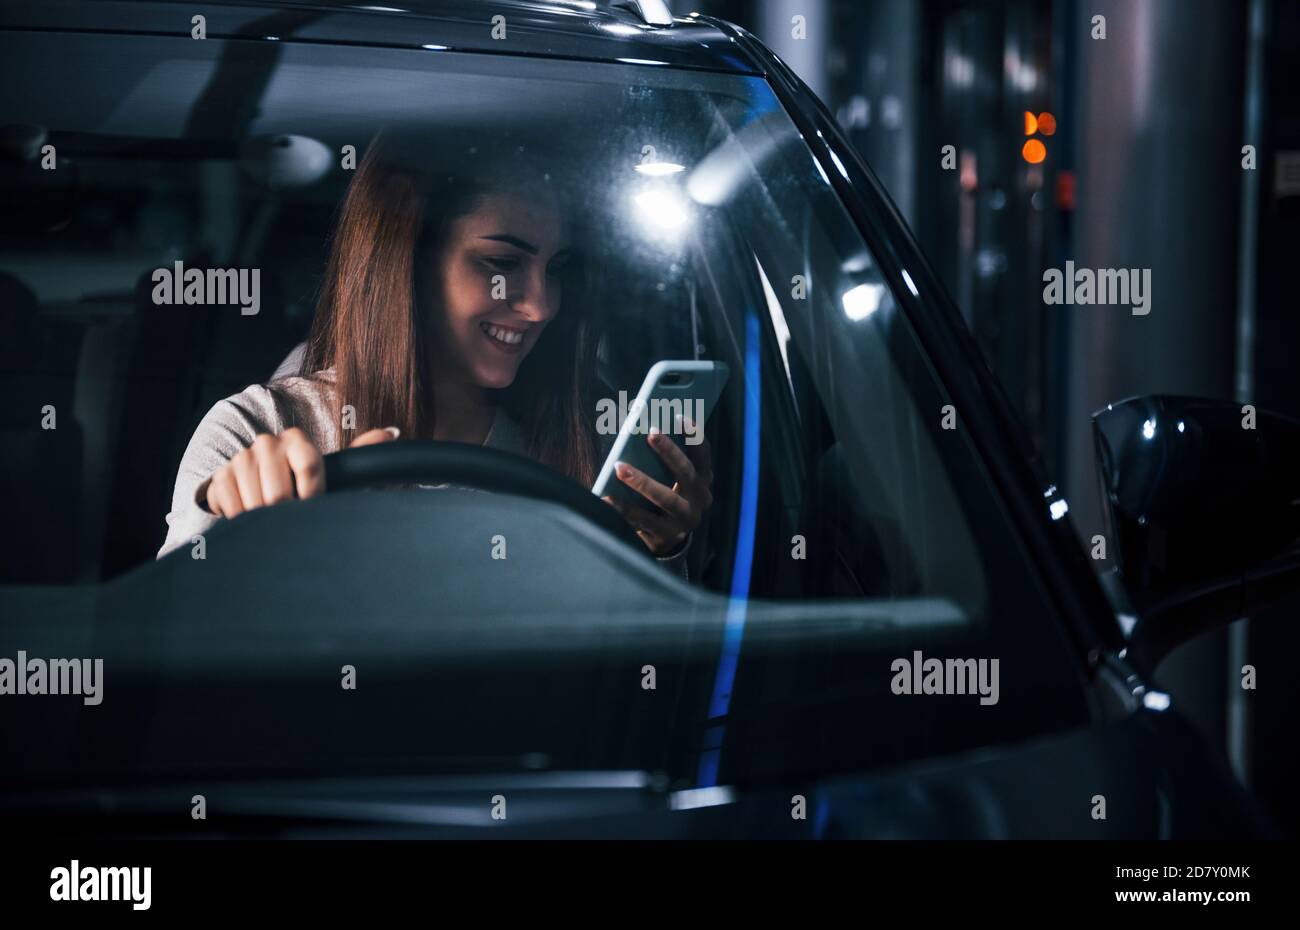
371, 324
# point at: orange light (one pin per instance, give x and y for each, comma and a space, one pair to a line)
1031, 123
1047, 124
1034, 151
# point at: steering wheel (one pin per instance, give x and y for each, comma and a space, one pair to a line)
470, 466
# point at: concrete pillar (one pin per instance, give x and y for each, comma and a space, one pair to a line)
1158, 114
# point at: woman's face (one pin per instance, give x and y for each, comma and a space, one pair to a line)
500, 273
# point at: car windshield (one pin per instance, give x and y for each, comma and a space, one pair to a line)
688, 222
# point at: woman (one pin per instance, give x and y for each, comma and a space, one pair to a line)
440, 318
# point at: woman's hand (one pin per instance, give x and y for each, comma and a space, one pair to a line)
682, 506
275, 469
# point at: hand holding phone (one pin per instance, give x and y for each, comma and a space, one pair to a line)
676, 399
658, 473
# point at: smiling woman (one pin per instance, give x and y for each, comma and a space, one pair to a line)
424, 260
440, 318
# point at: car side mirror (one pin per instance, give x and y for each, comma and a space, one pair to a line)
1203, 509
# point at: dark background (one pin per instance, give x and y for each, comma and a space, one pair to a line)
1144, 171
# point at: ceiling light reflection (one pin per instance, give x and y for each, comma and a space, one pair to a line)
862, 301
661, 210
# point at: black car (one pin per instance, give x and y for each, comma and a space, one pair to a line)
886, 628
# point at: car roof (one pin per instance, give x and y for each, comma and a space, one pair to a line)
570, 29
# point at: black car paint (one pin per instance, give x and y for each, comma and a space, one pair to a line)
1178, 472
532, 29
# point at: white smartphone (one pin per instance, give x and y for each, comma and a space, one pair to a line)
672, 390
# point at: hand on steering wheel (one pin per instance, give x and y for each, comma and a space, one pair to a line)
276, 469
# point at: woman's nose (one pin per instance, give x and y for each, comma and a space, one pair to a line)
536, 298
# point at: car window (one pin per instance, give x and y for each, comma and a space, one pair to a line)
702, 229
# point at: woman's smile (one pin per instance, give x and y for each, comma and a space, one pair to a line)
504, 338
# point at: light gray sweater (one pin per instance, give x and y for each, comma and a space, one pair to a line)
306, 403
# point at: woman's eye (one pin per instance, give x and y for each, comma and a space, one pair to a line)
503, 264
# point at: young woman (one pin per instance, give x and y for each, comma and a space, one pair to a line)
441, 317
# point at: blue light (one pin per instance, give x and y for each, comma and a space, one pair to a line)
743, 566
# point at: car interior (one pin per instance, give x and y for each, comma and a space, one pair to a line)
128, 381
170, 173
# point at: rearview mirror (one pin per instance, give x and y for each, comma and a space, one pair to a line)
1203, 511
